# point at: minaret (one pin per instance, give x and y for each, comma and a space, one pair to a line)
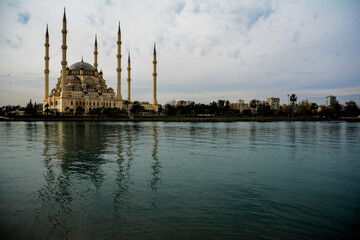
129, 79
63, 62
154, 103
95, 53
46, 71
118, 69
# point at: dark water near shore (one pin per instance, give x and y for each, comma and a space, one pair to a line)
155, 180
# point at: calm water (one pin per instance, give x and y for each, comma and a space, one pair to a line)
74, 180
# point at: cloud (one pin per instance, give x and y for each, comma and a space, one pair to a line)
261, 48
16, 43
332, 91
178, 7
23, 17
13, 5
95, 20
208, 46
234, 54
91, 19
248, 15
296, 37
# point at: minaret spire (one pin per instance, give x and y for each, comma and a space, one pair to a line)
46, 71
95, 53
118, 69
154, 103
129, 79
63, 62
64, 17
47, 31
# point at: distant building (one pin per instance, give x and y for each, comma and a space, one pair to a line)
184, 103
240, 105
18, 112
330, 100
221, 103
180, 103
274, 103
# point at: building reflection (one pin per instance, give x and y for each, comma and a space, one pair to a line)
78, 160
72, 154
252, 136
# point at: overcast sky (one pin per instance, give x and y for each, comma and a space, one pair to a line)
207, 50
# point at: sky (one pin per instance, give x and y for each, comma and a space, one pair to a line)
206, 50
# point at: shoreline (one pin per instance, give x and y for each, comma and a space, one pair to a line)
176, 119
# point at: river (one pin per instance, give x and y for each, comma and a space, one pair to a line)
173, 180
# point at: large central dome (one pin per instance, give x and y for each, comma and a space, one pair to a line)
82, 65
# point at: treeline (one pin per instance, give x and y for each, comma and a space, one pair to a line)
255, 109
303, 109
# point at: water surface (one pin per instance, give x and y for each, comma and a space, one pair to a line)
157, 180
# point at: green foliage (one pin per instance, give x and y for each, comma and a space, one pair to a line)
29, 109
136, 108
293, 98
79, 110
351, 109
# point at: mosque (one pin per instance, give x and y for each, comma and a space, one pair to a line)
83, 85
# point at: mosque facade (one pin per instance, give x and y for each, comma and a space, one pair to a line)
83, 85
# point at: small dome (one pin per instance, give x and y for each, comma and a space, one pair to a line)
82, 66
74, 78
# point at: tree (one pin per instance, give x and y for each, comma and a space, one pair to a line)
136, 108
35, 108
253, 105
47, 110
314, 109
335, 109
29, 108
293, 98
288, 110
214, 108
67, 110
246, 112
79, 110
180, 110
126, 102
351, 109
304, 108
169, 110
264, 110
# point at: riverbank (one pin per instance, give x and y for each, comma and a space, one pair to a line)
175, 119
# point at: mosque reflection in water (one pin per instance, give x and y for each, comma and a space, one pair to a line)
88, 170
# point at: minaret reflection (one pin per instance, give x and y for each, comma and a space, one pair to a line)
155, 163
124, 166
